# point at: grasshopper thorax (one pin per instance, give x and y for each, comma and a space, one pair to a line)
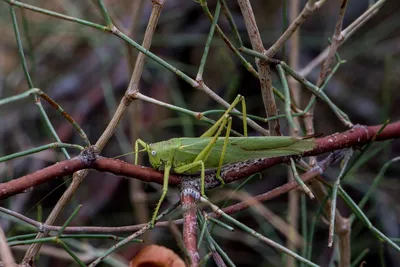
162, 153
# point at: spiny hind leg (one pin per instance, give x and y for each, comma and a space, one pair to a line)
222, 122
221, 159
193, 165
164, 193
210, 132
203, 155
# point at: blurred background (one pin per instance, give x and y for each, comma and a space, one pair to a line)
87, 71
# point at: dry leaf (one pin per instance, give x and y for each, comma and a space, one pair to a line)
156, 256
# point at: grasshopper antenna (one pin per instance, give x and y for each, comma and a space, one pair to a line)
129, 153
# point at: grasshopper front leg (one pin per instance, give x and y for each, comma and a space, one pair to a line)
164, 192
137, 143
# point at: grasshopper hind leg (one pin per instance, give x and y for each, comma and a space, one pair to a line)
221, 159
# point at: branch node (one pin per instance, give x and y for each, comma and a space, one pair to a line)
89, 155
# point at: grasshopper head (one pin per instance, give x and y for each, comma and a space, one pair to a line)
162, 153
154, 156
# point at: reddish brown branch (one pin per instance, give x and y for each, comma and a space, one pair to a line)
32, 180
322, 166
355, 137
358, 136
189, 194
119, 167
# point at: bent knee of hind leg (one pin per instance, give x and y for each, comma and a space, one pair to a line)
221, 180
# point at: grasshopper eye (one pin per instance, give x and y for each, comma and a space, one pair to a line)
153, 152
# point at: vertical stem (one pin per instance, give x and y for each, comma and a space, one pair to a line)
138, 196
78, 177
189, 194
5, 251
264, 70
336, 40
29, 79
293, 53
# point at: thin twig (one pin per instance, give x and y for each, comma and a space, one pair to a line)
309, 8
79, 176
263, 67
337, 38
356, 136
5, 251
346, 34
295, 93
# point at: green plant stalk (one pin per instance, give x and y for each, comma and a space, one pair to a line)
328, 78
223, 254
39, 215
20, 96
363, 160
374, 185
121, 35
205, 259
222, 224
37, 92
32, 241
231, 21
133, 236
256, 234
65, 115
71, 253
357, 260
98, 236
316, 91
26, 30
313, 226
50, 126
240, 186
300, 182
68, 236
20, 47
19, 237
68, 221
309, 105
214, 245
38, 149
360, 214
29, 80
244, 62
198, 115
57, 15
203, 230
288, 110
304, 229
53, 239
199, 76
382, 254
105, 14
115, 31
365, 148
334, 197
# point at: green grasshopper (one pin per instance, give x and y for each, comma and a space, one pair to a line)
209, 151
